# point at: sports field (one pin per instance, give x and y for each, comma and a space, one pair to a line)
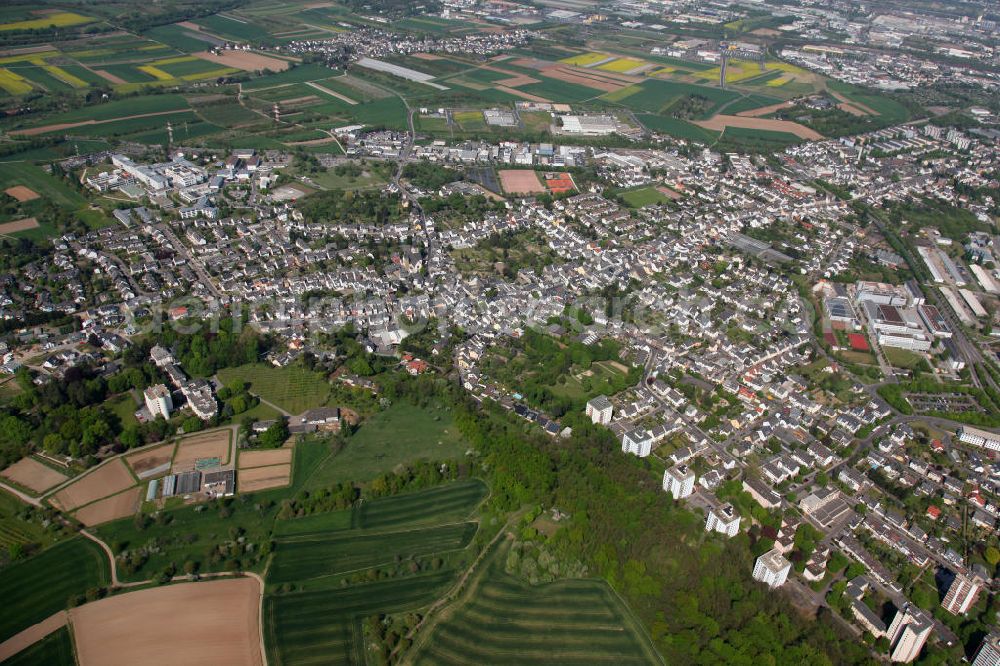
292, 388
502, 620
36, 588
398, 435
644, 196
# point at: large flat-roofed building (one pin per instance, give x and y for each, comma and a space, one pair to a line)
962, 594
589, 125
989, 651
679, 481
760, 491
723, 520
600, 410
772, 568
977, 437
158, 401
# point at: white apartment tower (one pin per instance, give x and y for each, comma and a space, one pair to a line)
637, 442
679, 481
772, 568
961, 595
723, 520
908, 633
600, 410
158, 401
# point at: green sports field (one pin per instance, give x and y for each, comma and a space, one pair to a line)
36, 588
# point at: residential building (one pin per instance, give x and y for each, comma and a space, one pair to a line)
989, 651
907, 633
638, 443
961, 595
600, 409
723, 520
158, 401
679, 481
772, 568
977, 437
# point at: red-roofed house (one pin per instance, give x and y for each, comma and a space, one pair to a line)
933, 512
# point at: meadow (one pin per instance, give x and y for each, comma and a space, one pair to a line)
292, 388
398, 435
36, 588
656, 96
644, 196
14, 530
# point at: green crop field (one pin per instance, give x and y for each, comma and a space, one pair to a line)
56, 649
300, 74
451, 501
236, 29
506, 621
681, 129
399, 435
179, 37
117, 109
14, 530
36, 588
324, 627
312, 556
655, 96
888, 109
748, 103
559, 91
294, 389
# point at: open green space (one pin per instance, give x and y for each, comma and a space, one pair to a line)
117, 109
49, 187
889, 110
676, 127
398, 435
299, 74
179, 37
56, 649
15, 531
36, 588
656, 96
502, 620
292, 388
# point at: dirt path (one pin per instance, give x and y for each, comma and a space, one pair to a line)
342, 98
848, 102
34, 501
32, 635
719, 123
32, 131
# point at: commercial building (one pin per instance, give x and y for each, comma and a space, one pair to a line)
589, 125
723, 520
772, 568
907, 633
961, 595
600, 410
679, 481
977, 437
158, 401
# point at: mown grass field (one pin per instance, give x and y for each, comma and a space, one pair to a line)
448, 502
294, 389
398, 435
644, 196
305, 557
36, 588
324, 627
56, 649
505, 621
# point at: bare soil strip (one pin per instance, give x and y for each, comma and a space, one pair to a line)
261, 478
32, 635
856, 105
22, 193
32, 131
215, 622
19, 225
250, 459
106, 480
522, 95
214, 444
245, 60
33, 475
150, 458
108, 76
110, 508
719, 123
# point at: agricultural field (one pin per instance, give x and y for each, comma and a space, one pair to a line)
14, 529
656, 96
500, 619
36, 588
398, 435
291, 388
56, 649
